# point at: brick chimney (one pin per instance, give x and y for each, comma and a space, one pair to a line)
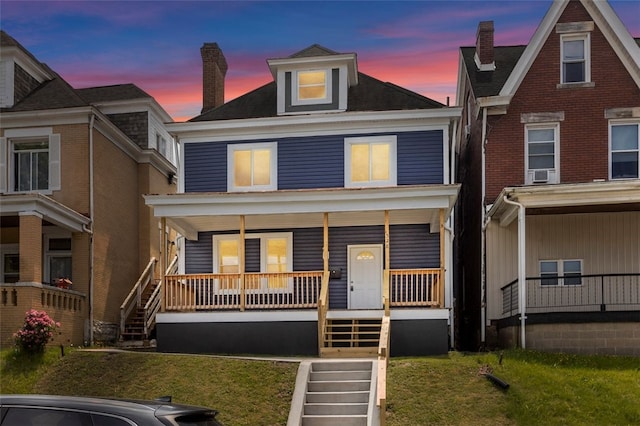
214, 69
484, 47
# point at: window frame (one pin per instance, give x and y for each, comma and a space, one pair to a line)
614, 123
50, 254
8, 249
295, 90
585, 37
263, 237
273, 165
391, 140
561, 275
556, 151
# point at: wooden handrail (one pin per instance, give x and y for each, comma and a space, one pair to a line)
383, 363
323, 303
154, 304
134, 298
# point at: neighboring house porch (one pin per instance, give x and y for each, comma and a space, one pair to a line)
308, 271
564, 274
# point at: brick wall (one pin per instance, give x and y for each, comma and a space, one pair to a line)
584, 131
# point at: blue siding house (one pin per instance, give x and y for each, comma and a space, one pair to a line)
309, 209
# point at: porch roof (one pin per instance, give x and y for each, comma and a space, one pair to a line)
587, 197
50, 210
193, 212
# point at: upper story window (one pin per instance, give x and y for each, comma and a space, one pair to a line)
575, 53
29, 160
541, 153
370, 161
560, 272
625, 150
312, 87
252, 167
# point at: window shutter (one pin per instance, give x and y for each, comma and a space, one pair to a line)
3, 165
54, 162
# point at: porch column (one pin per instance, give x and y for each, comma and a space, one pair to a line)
30, 247
163, 267
387, 262
442, 260
241, 264
325, 242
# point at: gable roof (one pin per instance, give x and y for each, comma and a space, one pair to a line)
370, 94
118, 92
513, 62
313, 50
604, 18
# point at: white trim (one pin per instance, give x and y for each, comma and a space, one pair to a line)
554, 173
49, 209
586, 39
272, 147
391, 141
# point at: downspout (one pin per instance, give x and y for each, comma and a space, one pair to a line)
449, 228
91, 215
522, 278
483, 236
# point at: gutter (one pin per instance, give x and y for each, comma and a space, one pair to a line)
522, 279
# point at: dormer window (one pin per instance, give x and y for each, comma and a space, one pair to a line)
312, 87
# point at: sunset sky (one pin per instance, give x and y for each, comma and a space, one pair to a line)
156, 44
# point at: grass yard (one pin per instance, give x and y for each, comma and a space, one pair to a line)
549, 389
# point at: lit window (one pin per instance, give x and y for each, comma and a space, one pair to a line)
560, 272
625, 150
252, 167
370, 161
575, 58
541, 154
312, 85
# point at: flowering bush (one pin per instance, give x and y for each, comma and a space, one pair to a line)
36, 332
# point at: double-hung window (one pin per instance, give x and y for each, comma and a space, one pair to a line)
370, 161
542, 153
252, 167
31, 165
625, 150
10, 260
312, 87
560, 272
575, 55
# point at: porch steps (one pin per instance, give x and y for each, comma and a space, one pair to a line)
336, 392
134, 327
351, 337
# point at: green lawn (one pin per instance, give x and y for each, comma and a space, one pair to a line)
549, 389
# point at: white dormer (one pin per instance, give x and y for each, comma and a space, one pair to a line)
314, 80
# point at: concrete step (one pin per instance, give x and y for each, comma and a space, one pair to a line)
336, 397
336, 409
326, 376
341, 366
339, 386
353, 420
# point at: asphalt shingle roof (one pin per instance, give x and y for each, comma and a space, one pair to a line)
489, 83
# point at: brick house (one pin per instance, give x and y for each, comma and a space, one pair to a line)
74, 164
548, 218
315, 208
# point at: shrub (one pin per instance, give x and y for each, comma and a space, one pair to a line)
36, 332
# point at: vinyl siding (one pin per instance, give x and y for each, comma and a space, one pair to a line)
315, 162
411, 246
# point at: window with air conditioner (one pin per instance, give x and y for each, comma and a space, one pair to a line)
541, 162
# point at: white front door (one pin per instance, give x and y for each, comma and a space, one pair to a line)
365, 276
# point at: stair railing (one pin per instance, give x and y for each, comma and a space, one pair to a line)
153, 305
134, 299
323, 306
383, 363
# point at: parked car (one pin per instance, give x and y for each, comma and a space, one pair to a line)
50, 410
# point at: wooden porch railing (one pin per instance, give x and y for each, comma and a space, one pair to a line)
284, 290
383, 363
153, 305
134, 299
415, 287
